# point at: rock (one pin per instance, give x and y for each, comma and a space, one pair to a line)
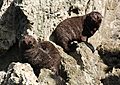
12, 25
112, 78
7, 31
47, 77
1, 3
19, 73
110, 54
2, 76
83, 67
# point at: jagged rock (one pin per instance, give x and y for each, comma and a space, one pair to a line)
110, 54
2, 77
47, 77
112, 78
20, 74
12, 25
7, 31
83, 67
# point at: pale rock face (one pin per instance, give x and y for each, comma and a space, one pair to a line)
19, 73
83, 67
47, 77
2, 76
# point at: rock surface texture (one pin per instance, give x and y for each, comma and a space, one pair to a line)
20, 74
39, 18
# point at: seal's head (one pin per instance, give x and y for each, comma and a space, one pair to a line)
96, 18
28, 42
92, 22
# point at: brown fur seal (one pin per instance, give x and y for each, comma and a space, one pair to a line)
39, 55
78, 29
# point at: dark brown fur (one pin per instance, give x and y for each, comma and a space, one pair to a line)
78, 29
40, 55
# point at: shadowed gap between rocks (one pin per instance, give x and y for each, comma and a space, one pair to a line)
73, 9
12, 55
63, 74
56, 78
1, 3
77, 57
19, 24
111, 80
111, 59
17, 20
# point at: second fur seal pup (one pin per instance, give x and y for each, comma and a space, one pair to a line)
39, 54
78, 29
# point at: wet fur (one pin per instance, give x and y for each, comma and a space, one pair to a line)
39, 55
78, 29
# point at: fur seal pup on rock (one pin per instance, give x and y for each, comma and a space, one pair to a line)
78, 28
39, 54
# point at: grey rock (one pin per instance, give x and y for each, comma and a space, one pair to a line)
47, 77
20, 74
2, 76
82, 67
12, 23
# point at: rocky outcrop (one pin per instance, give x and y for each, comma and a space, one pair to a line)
12, 26
47, 77
2, 77
82, 67
39, 18
20, 74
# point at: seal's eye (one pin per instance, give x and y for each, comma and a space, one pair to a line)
30, 42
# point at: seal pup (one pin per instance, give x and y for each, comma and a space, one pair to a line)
39, 55
78, 28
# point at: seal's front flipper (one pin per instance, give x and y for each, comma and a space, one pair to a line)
90, 46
